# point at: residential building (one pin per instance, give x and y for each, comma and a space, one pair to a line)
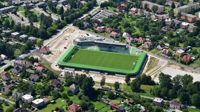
150, 5
189, 17
38, 103
158, 101
74, 108
27, 98
74, 88
175, 105
187, 8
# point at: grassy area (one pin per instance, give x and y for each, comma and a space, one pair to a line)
5, 107
196, 63
21, 11
103, 59
193, 110
146, 89
101, 107
59, 103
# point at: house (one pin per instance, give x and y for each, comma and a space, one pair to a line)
15, 34
117, 107
6, 32
44, 50
38, 103
99, 28
23, 37
27, 98
140, 39
175, 105
133, 10
147, 45
165, 52
126, 35
109, 29
179, 52
5, 76
158, 101
130, 101
74, 108
34, 77
33, 39
6, 89
122, 6
186, 58
114, 34
22, 63
39, 68
74, 88
189, 17
130, 40
55, 82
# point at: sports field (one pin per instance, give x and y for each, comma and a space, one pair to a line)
102, 60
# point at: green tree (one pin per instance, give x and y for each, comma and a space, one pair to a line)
135, 85
195, 100
127, 79
185, 98
155, 8
116, 86
103, 80
186, 79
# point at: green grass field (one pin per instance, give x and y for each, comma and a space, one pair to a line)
103, 59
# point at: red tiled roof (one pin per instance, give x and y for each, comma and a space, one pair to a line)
39, 68
186, 58
74, 108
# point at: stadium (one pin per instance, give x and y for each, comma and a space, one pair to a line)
97, 54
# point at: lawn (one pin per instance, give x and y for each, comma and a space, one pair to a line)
193, 110
101, 107
146, 89
59, 103
103, 59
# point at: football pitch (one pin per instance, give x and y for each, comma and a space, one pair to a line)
102, 60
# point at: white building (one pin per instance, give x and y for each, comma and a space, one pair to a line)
38, 103
27, 98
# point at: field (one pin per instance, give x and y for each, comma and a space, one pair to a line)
102, 60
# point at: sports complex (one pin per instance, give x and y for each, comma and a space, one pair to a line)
103, 56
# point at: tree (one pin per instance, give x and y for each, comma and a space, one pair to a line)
39, 43
186, 79
127, 79
195, 100
135, 85
103, 80
185, 98
116, 86
155, 8
111, 95
10, 109
165, 80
